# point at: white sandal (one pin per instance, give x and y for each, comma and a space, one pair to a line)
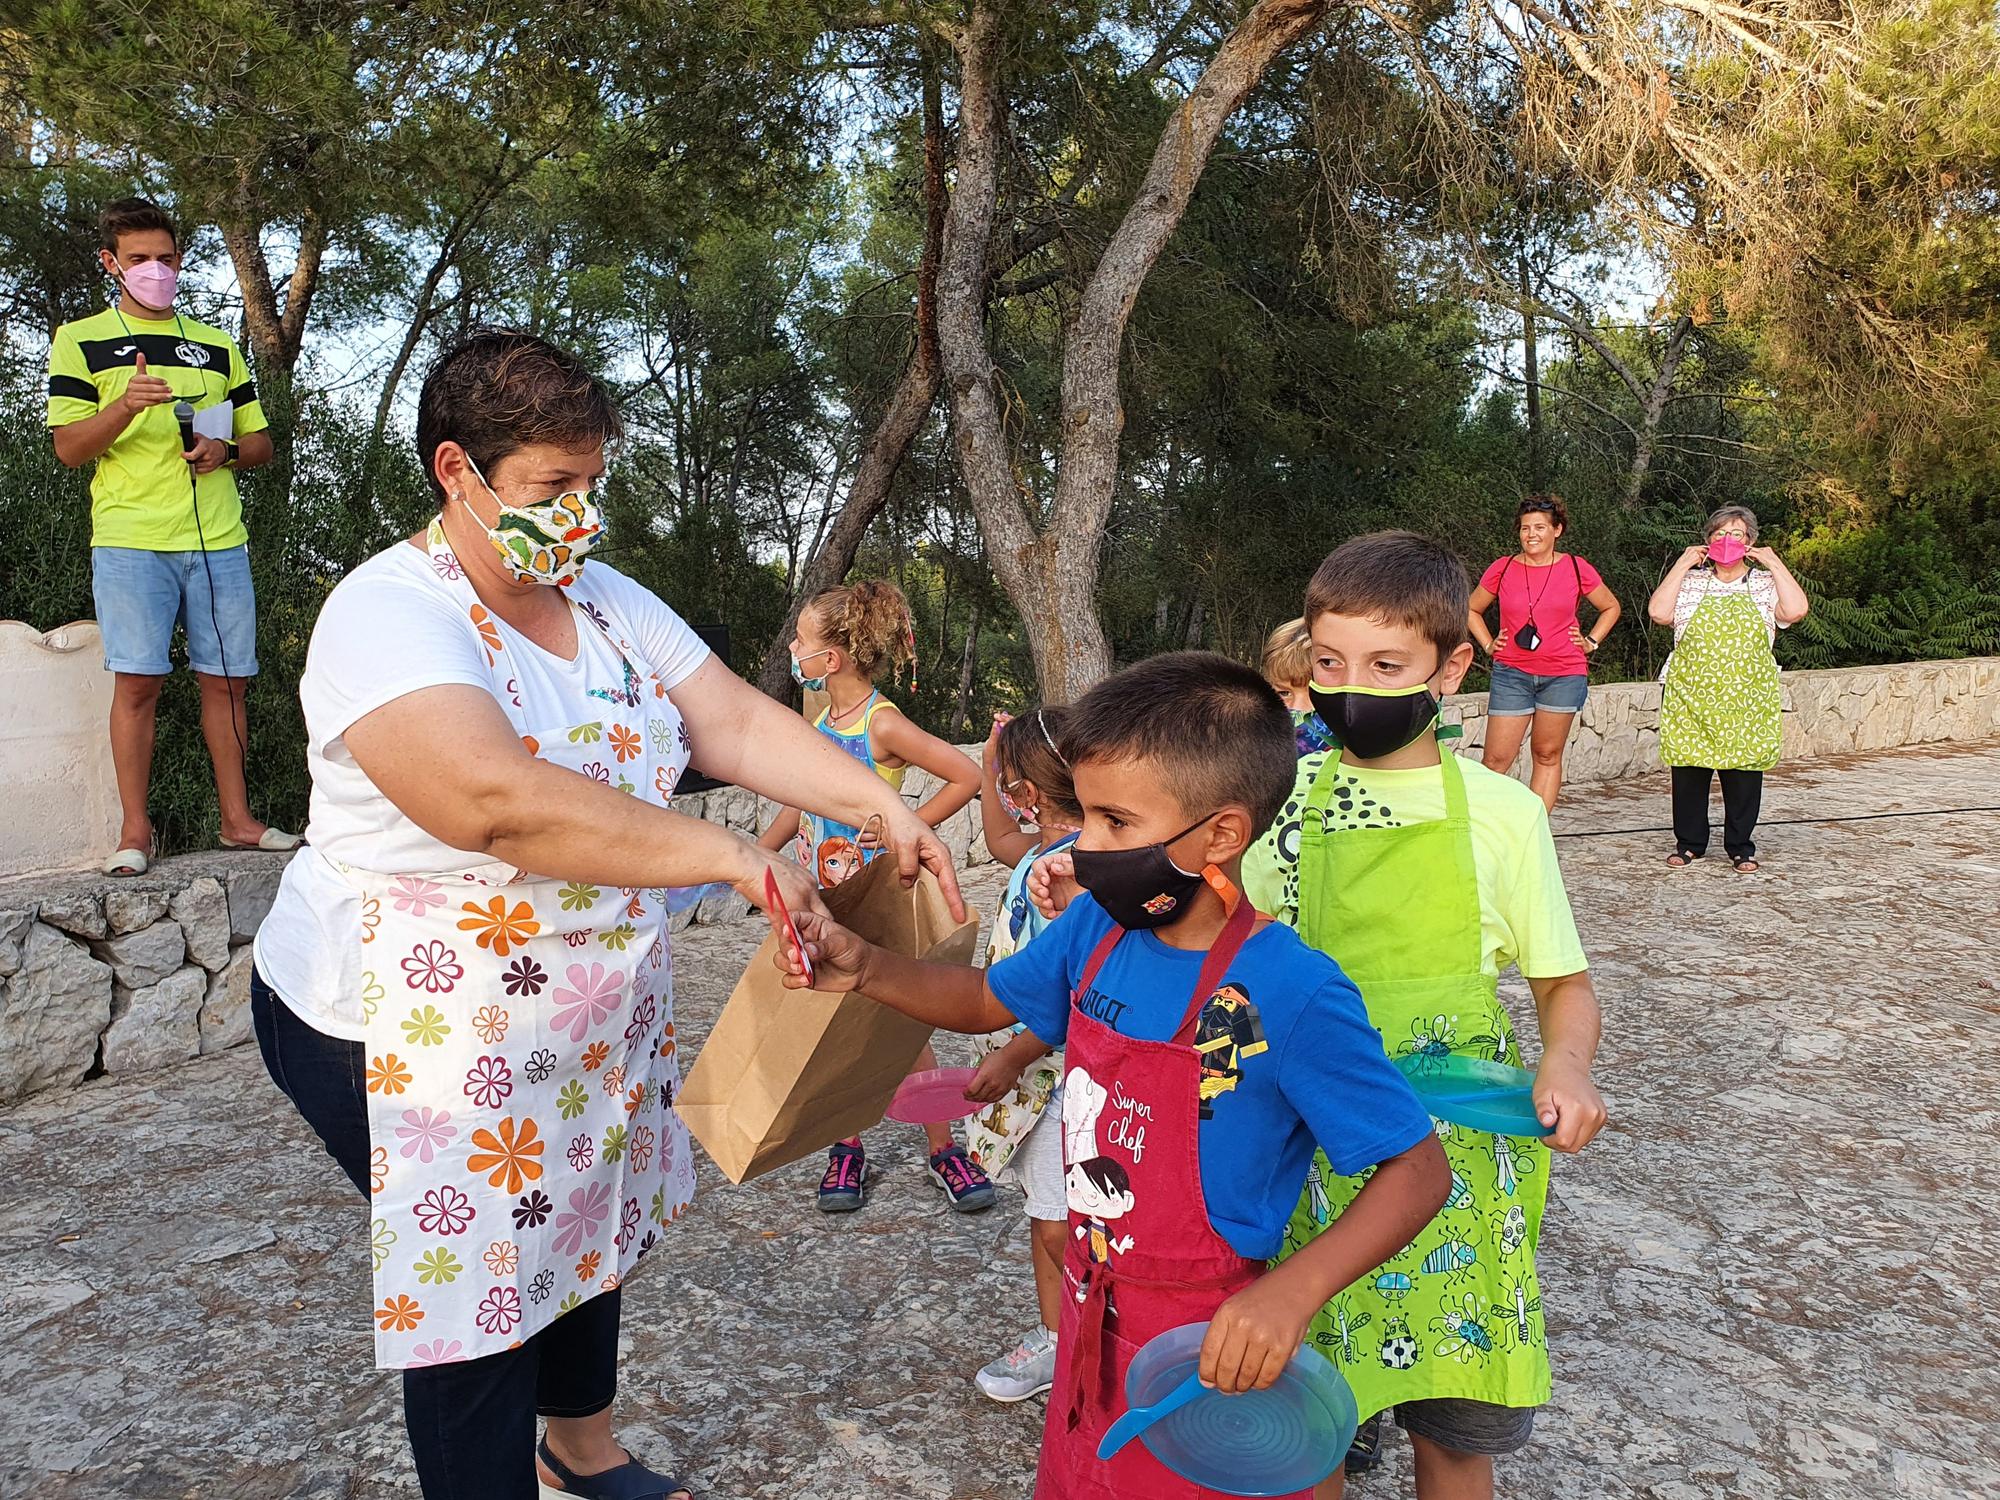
129, 862
272, 840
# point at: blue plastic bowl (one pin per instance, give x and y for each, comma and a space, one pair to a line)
1270, 1442
1475, 1093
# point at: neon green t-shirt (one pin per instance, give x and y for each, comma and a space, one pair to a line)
140, 496
1524, 915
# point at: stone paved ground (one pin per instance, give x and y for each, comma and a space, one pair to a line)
1774, 1277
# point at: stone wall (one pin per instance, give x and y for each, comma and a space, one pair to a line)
122, 976
57, 783
1826, 713
128, 975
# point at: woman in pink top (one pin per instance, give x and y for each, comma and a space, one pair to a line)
1541, 657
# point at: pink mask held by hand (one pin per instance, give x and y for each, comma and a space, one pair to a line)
1727, 551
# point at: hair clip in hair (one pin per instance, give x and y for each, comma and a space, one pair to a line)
1048, 739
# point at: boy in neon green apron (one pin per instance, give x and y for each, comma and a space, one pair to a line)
1423, 875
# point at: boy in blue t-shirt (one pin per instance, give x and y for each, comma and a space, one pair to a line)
1208, 1051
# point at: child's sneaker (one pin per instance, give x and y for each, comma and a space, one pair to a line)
844, 1188
961, 1179
1028, 1369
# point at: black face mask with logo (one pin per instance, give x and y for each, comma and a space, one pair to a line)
1141, 888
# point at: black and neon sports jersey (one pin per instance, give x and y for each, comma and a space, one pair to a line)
140, 495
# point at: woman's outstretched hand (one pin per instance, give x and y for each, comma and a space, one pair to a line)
795, 887
915, 845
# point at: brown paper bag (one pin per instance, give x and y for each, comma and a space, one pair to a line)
786, 1073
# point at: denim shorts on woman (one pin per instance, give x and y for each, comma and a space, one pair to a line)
1516, 694
142, 595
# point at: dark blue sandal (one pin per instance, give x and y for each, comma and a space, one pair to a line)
629, 1481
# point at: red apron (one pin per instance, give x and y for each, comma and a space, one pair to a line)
1142, 1256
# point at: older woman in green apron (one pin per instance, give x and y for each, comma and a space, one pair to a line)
465, 984
1720, 705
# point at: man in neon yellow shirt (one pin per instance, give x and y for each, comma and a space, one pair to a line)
167, 537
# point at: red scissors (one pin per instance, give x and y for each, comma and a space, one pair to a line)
777, 904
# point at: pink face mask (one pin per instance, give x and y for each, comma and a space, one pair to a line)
1726, 551
152, 282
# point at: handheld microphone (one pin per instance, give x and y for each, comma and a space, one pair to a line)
184, 415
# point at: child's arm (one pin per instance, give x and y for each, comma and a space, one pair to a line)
1254, 1333
1004, 839
1565, 1097
784, 828
951, 997
894, 739
1002, 1069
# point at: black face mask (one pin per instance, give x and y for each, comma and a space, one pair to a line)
1138, 888
1370, 723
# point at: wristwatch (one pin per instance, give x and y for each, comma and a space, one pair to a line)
1590, 644
230, 453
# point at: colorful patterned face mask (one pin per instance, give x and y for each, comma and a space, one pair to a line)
548, 541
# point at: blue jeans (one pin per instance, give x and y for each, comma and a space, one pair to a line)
1516, 694
141, 595
471, 1424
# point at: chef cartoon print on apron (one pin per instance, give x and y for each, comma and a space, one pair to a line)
520, 1040
1143, 1256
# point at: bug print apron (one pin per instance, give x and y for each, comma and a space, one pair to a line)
1720, 703
1459, 1312
1142, 1255
520, 1044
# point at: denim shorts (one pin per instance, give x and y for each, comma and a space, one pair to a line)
141, 595
1515, 694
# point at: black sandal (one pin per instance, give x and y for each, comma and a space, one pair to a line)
1680, 859
1365, 1452
1745, 864
631, 1480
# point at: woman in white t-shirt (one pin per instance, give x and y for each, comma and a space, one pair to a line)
465, 983
1720, 705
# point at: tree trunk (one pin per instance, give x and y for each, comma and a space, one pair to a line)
908, 409
1650, 412
1049, 565
1531, 369
961, 713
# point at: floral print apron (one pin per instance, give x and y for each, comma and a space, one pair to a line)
520, 1045
1459, 1311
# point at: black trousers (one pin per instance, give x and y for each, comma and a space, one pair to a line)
1742, 798
471, 1424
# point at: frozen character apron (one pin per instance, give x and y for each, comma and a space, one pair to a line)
994, 1134
1142, 1255
1720, 703
831, 851
1459, 1312
520, 1045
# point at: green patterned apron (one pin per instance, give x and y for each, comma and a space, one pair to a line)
1720, 703
1459, 1312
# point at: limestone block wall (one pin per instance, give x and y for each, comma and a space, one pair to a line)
1826, 713
57, 785
123, 976
128, 975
